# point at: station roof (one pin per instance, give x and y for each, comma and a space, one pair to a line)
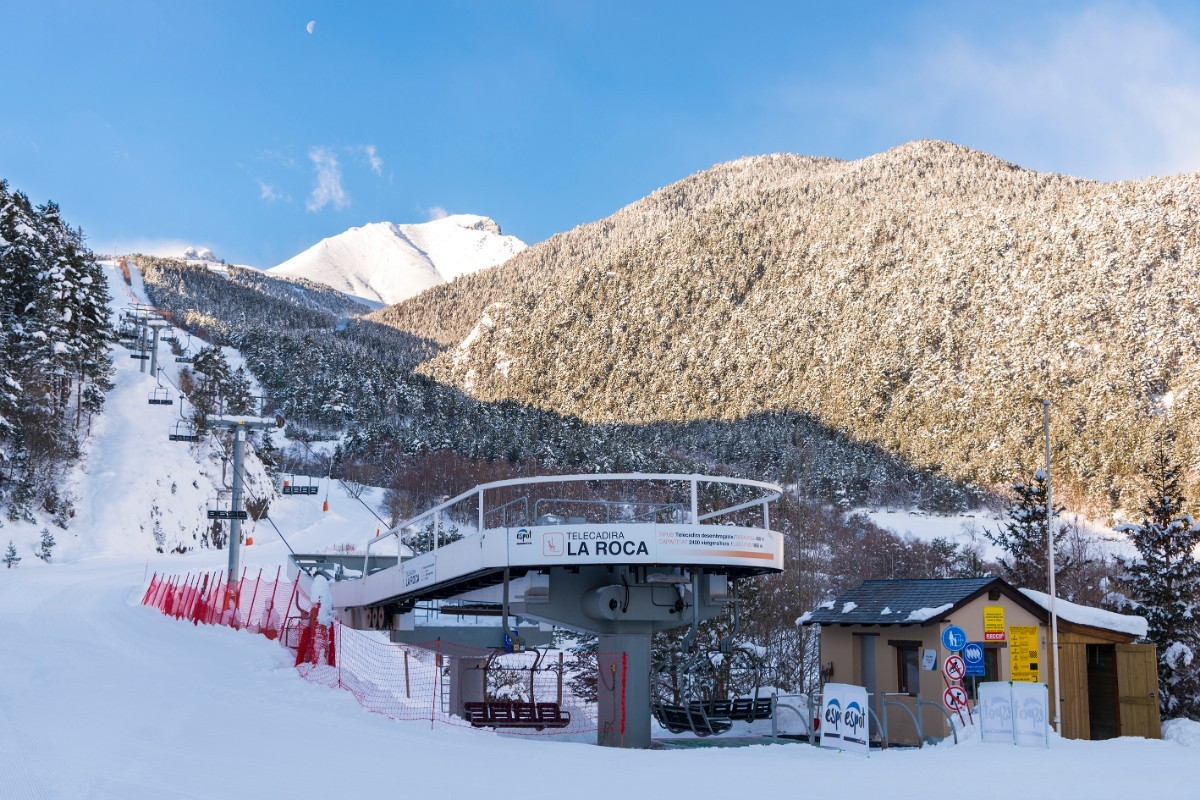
908, 602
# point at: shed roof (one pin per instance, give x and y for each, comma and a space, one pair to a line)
904, 602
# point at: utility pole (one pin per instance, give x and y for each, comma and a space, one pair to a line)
1053, 590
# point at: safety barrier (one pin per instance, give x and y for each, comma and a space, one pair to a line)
401, 681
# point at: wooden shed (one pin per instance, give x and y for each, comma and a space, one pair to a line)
887, 635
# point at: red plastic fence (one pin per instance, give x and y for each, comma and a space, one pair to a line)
401, 681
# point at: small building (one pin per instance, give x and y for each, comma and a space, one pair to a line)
886, 635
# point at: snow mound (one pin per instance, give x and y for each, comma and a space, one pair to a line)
385, 263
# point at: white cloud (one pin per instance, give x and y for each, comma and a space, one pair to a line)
1107, 93
437, 212
329, 189
269, 193
164, 248
373, 159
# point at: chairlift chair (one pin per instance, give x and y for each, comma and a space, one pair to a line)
161, 396
183, 431
293, 486
220, 506
497, 713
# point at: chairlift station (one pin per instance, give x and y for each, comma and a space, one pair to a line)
619, 568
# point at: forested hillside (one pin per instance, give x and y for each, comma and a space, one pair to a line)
358, 377
921, 300
54, 354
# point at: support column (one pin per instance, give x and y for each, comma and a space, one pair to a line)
154, 353
235, 524
142, 346
623, 689
466, 683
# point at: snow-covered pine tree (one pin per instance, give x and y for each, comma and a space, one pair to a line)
1163, 583
46, 545
1023, 538
11, 559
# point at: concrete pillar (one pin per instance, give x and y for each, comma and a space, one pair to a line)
623, 689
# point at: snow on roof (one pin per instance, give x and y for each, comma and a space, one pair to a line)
1086, 615
848, 607
922, 614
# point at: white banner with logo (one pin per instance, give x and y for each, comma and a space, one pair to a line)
1031, 714
995, 712
1014, 713
844, 721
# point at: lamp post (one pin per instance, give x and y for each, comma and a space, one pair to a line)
1053, 590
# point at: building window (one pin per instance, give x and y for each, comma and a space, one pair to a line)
908, 668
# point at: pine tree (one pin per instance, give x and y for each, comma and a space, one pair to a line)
1023, 538
1164, 584
11, 559
46, 545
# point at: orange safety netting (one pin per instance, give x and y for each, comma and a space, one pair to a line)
529, 692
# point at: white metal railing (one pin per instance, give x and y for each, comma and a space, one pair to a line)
772, 492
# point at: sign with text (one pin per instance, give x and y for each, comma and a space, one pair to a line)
973, 657
995, 712
644, 544
993, 624
844, 721
1024, 663
1031, 714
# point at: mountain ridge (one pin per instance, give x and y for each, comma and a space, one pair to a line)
922, 299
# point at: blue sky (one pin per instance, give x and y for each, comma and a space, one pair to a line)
227, 124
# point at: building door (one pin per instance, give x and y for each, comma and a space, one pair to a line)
1137, 690
1102, 692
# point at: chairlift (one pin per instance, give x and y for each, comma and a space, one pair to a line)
220, 506
689, 704
186, 356
183, 431
304, 485
161, 397
508, 713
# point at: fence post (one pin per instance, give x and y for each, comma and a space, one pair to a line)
237, 600
214, 615
253, 597
407, 688
149, 588
271, 607
560, 674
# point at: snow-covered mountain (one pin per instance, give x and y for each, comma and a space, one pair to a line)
384, 263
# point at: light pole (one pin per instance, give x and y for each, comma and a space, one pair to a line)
1053, 590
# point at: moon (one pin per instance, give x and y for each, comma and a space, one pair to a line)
312, 24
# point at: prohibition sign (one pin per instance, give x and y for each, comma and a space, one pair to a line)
955, 698
954, 668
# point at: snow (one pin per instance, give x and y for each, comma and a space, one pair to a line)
922, 614
1084, 615
848, 607
385, 263
103, 698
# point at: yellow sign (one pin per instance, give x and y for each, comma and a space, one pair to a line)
993, 623
1024, 662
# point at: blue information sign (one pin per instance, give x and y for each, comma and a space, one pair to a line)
954, 638
973, 657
